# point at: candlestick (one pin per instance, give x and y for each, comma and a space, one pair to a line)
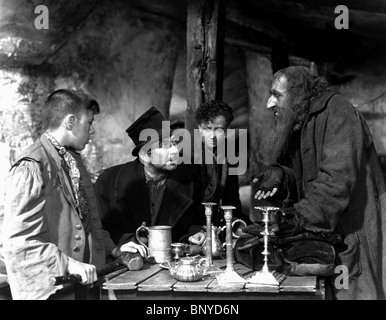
229, 276
264, 276
213, 269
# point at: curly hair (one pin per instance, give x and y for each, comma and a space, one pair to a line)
207, 112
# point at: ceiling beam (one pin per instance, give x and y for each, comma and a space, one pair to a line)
234, 15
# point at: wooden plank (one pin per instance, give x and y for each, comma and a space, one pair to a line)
242, 270
256, 287
215, 287
258, 25
299, 284
232, 287
238, 267
113, 274
161, 281
196, 286
130, 279
261, 287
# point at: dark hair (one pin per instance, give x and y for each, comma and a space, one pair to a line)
302, 82
207, 112
62, 102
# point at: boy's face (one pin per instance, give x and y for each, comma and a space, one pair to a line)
82, 130
214, 132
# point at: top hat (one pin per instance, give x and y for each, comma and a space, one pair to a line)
151, 119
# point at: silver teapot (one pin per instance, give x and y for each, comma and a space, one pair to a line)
189, 269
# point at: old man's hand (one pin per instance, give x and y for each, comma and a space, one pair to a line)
268, 182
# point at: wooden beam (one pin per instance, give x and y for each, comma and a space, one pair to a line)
247, 45
232, 14
205, 19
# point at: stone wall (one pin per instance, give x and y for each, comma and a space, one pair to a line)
125, 59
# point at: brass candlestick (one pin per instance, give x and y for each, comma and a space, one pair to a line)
229, 276
213, 269
264, 276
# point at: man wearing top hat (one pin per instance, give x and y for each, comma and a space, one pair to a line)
151, 188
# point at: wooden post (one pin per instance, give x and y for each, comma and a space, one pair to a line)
205, 49
259, 77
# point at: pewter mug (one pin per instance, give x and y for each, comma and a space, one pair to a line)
159, 246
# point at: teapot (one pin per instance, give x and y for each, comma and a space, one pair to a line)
189, 268
217, 246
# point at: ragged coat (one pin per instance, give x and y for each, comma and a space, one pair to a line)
342, 190
41, 225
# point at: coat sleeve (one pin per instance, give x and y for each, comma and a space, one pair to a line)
29, 256
107, 241
107, 207
330, 181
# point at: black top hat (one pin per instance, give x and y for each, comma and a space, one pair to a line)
151, 119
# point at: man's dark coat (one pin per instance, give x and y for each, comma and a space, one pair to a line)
220, 187
124, 201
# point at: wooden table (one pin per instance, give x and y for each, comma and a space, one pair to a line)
154, 282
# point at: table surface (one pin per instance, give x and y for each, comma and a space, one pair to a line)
155, 282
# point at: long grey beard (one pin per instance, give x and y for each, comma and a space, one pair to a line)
281, 137
290, 121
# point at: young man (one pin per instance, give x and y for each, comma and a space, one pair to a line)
322, 142
51, 224
151, 188
218, 186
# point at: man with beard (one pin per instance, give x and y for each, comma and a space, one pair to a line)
151, 188
322, 143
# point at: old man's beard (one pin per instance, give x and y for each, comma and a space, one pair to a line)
288, 121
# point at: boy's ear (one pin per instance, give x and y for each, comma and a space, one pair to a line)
69, 121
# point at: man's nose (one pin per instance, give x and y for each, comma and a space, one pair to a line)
92, 129
271, 102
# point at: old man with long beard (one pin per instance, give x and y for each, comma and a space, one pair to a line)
322, 143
